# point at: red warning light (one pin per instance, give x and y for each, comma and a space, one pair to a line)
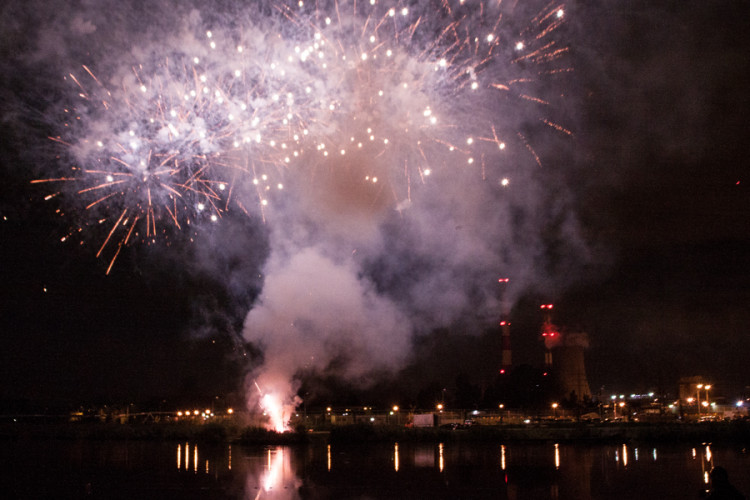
503, 280
546, 306
503, 323
502, 371
549, 330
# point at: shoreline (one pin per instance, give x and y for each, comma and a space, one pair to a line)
731, 431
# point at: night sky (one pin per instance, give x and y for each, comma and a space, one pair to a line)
654, 174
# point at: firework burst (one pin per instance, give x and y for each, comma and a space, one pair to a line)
360, 101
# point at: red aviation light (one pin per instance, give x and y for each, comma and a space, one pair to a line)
549, 330
503, 280
546, 306
504, 320
502, 371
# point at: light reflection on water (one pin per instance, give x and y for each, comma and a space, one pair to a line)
511, 471
281, 472
574, 462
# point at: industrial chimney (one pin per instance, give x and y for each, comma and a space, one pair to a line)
506, 362
505, 353
550, 335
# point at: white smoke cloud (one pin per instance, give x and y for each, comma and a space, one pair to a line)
403, 234
313, 310
81, 26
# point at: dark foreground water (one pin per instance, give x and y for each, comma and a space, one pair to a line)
52, 469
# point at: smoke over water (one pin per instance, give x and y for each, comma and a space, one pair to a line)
398, 156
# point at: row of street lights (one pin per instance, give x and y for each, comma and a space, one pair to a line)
707, 387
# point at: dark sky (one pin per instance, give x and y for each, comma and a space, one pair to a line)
668, 124
657, 175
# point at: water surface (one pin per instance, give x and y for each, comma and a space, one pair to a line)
123, 469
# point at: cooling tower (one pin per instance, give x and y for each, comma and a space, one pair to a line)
570, 367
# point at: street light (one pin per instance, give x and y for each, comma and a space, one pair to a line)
554, 410
614, 406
